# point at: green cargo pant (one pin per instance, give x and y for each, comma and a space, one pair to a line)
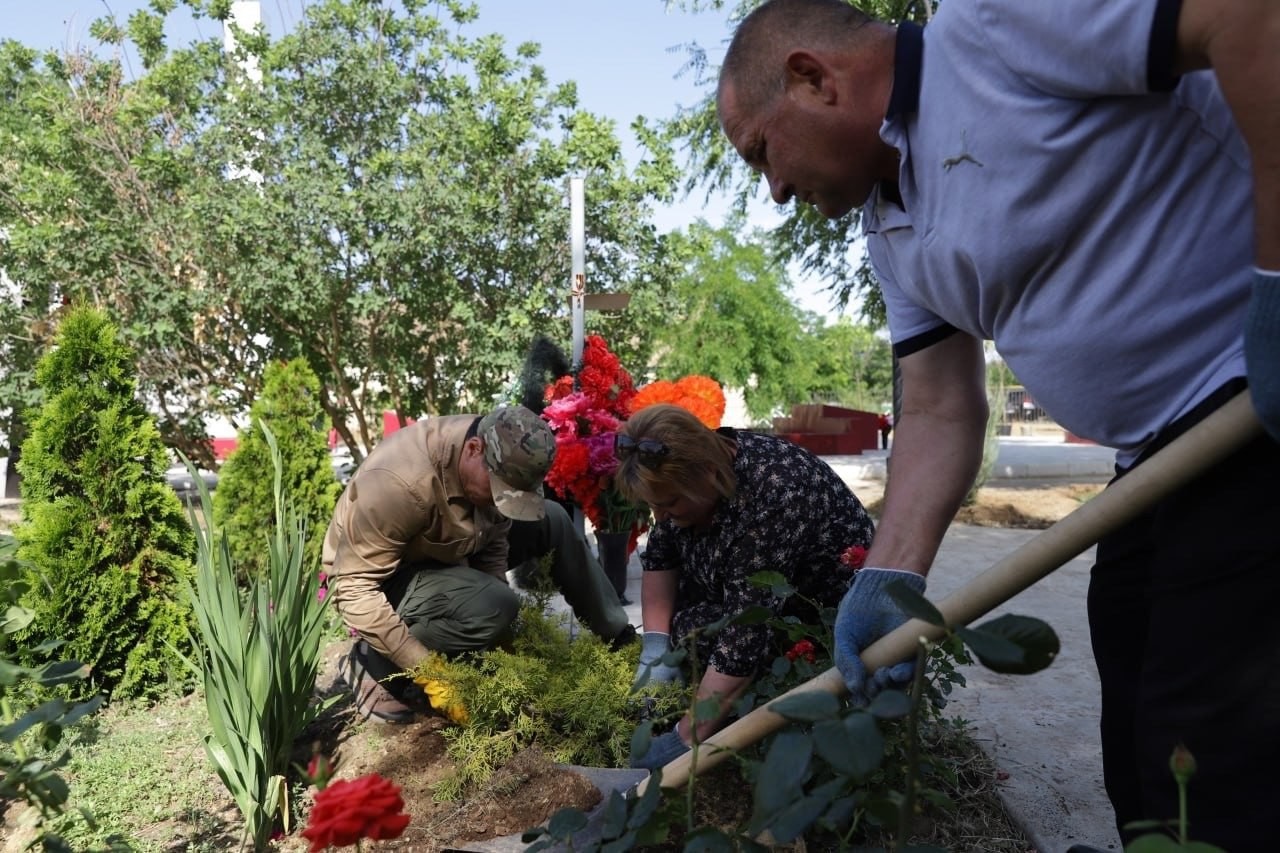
454, 609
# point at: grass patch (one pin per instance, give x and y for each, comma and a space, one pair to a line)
143, 774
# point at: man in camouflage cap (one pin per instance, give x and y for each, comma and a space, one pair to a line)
423, 536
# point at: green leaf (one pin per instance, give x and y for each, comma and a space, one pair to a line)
800, 815
83, 710
16, 618
641, 738
1016, 645
754, 615
10, 674
913, 603
61, 672
613, 821
646, 806
767, 579
706, 709
784, 769
852, 746
708, 839
565, 822
807, 707
621, 844
1153, 843
890, 705
43, 713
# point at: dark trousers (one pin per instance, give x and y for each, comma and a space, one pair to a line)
454, 609
1182, 605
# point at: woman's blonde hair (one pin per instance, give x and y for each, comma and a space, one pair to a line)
692, 453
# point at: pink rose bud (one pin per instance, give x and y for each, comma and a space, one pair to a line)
1182, 763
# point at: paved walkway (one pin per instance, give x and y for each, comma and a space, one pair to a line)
1018, 458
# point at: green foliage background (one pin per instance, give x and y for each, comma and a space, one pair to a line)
107, 540
244, 502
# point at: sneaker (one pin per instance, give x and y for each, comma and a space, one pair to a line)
372, 700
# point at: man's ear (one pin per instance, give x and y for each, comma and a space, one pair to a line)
809, 76
473, 446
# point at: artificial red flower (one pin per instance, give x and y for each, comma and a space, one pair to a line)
346, 811
854, 556
803, 649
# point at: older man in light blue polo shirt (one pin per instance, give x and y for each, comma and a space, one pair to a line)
1058, 177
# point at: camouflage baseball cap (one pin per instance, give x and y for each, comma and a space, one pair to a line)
518, 449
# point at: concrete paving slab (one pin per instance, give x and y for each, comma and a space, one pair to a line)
1019, 457
1042, 729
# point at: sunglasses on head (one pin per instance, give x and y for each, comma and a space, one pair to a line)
649, 451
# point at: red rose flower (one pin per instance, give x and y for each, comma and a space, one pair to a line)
346, 811
854, 556
803, 649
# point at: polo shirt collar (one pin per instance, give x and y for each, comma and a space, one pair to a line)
907, 59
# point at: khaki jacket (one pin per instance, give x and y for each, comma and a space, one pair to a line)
405, 510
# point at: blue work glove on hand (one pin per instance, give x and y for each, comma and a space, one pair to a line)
1262, 349
662, 751
866, 614
653, 645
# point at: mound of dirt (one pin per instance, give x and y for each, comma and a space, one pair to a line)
521, 794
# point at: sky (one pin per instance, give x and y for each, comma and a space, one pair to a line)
625, 56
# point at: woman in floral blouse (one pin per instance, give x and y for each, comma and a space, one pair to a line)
729, 504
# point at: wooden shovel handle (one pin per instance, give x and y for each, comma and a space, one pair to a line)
1199, 449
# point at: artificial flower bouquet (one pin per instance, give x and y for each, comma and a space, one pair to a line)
585, 419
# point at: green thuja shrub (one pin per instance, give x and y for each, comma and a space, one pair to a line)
243, 504
569, 696
107, 540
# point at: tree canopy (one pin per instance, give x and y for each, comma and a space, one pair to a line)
819, 246
733, 319
384, 197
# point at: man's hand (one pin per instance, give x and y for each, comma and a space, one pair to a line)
866, 614
1262, 349
655, 644
662, 751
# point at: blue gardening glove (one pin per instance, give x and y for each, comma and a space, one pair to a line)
1262, 349
866, 614
653, 645
662, 751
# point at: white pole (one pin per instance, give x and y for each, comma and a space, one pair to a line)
577, 287
578, 284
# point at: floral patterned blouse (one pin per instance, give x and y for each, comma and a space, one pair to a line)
791, 514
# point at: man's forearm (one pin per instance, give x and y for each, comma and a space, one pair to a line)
933, 466
937, 449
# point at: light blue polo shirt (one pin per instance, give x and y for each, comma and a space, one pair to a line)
1066, 197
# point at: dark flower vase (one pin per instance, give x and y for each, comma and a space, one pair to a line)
612, 549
